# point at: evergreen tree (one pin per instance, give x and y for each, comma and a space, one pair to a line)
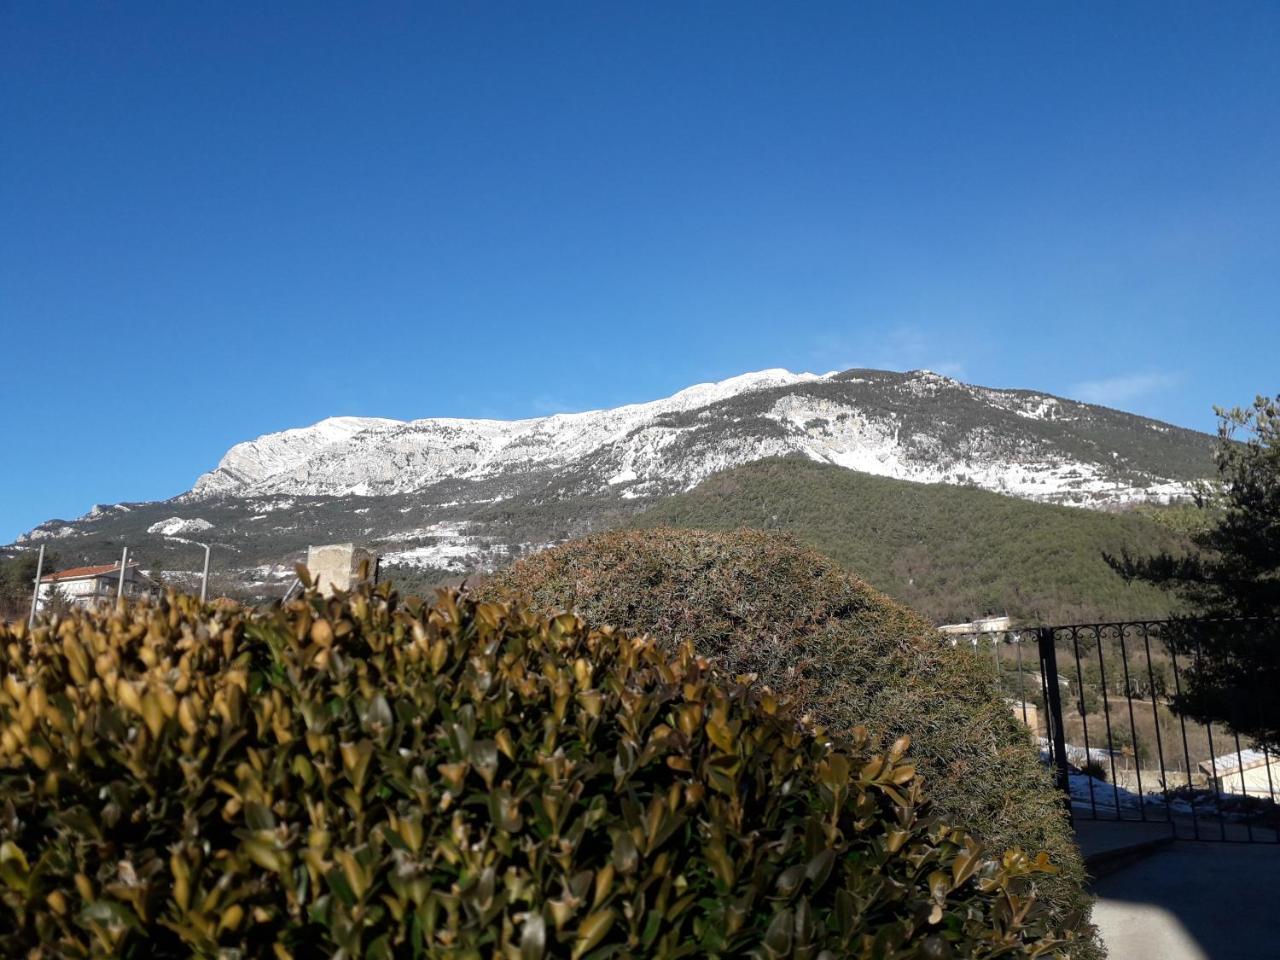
1233, 666
17, 579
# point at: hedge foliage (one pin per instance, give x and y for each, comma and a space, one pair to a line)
364, 777
760, 603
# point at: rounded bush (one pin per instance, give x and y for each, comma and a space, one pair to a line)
760, 603
357, 777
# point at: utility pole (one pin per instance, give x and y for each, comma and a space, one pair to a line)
204, 577
124, 560
35, 593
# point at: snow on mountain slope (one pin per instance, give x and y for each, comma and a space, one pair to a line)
255, 460
361, 456
1024, 444
175, 526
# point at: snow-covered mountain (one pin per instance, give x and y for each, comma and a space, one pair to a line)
353, 455
647, 448
464, 494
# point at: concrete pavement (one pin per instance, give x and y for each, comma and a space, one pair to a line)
1193, 901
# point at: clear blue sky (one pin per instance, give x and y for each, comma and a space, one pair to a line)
219, 220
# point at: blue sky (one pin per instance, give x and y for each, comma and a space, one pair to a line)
219, 220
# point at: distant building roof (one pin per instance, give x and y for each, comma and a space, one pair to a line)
84, 573
1077, 754
982, 625
1230, 762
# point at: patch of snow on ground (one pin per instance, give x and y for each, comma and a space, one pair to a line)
175, 526
43, 534
1043, 408
271, 506
1111, 800
447, 547
273, 571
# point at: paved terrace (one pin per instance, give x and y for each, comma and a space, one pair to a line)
1160, 899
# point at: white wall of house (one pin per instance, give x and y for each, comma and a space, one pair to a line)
1252, 781
1259, 777
73, 589
87, 590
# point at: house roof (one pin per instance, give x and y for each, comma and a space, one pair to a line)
1000, 624
83, 573
1230, 762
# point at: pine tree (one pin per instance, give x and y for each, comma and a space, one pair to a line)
1233, 666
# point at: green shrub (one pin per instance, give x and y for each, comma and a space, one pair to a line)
357, 777
760, 603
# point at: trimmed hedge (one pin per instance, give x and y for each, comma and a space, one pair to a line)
360, 777
762, 604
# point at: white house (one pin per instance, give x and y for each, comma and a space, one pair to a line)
982, 625
1251, 772
86, 585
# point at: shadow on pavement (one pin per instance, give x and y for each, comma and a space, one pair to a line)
1193, 901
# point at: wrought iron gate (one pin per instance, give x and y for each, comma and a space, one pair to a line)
1101, 699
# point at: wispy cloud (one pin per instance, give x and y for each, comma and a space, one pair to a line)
1126, 388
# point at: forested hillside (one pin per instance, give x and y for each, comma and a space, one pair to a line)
951, 552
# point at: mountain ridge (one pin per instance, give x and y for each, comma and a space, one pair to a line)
455, 496
368, 456
331, 432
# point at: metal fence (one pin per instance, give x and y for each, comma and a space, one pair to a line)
1106, 702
